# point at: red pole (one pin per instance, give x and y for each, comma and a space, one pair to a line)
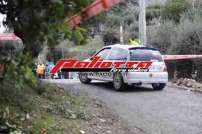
105, 3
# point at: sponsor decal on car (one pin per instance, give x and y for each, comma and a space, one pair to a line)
97, 64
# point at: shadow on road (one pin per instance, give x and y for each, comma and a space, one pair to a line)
109, 86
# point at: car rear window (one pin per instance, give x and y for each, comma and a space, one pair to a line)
145, 55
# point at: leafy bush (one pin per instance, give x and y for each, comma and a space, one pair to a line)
48, 19
18, 80
153, 12
163, 36
189, 39
182, 38
173, 10
18, 71
189, 36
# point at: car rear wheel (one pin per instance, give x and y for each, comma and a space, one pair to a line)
118, 82
158, 86
84, 78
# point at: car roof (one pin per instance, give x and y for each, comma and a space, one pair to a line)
129, 47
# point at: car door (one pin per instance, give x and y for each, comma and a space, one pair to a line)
117, 54
103, 53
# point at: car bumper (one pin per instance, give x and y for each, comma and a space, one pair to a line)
146, 77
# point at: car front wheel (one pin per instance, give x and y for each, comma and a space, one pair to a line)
84, 78
158, 86
118, 82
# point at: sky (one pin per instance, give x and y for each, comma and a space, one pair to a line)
2, 28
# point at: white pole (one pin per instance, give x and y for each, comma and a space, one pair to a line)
121, 34
142, 23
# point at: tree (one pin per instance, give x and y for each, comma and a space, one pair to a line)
173, 9
189, 39
37, 21
185, 37
162, 36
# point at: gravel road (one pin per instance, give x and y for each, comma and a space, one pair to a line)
171, 111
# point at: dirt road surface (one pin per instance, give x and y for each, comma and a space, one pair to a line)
171, 111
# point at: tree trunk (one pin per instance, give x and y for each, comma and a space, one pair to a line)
184, 69
199, 71
171, 68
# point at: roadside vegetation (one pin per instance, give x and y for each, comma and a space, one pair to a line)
180, 33
173, 27
28, 106
50, 109
43, 109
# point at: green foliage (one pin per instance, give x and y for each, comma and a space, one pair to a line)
8, 49
18, 70
17, 80
78, 35
9, 120
192, 15
173, 10
48, 108
184, 37
127, 14
189, 39
163, 36
17, 64
38, 21
153, 12
181, 38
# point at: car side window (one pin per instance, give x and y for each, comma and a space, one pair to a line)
104, 53
118, 54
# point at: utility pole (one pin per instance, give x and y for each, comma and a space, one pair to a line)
142, 23
193, 4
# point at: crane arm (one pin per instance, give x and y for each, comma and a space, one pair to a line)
95, 8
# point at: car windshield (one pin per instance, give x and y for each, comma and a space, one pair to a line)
145, 55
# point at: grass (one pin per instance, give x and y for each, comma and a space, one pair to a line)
45, 109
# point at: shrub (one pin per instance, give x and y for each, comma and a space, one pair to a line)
153, 12
19, 71
164, 36
182, 38
17, 81
189, 39
173, 9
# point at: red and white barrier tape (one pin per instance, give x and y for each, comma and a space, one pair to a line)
8, 36
180, 57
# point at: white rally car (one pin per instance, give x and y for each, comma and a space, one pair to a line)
157, 74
